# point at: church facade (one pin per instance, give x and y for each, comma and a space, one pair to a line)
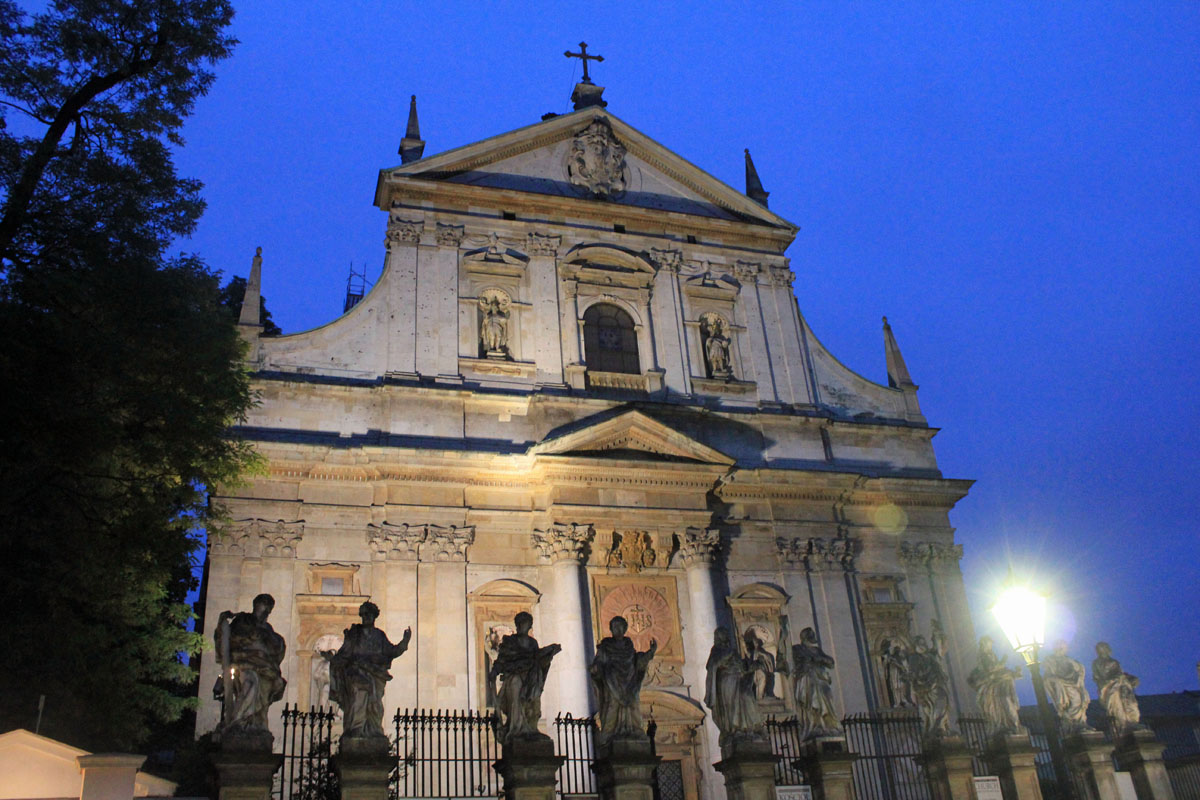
582, 387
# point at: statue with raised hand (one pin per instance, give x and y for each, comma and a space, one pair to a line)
249, 652
522, 667
729, 691
358, 675
617, 673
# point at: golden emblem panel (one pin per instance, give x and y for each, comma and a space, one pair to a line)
649, 603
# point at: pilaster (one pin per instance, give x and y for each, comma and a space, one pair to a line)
543, 286
398, 331
752, 319
566, 548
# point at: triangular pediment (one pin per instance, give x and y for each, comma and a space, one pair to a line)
631, 434
589, 154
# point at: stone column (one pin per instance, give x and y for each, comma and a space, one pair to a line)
108, 776
947, 763
829, 768
398, 332
699, 550
394, 552
748, 767
442, 661
566, 547
1091, 759
625, 769
362, 767
1012, 758
1141, 754
543, 287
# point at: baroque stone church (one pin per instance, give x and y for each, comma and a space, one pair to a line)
583, 387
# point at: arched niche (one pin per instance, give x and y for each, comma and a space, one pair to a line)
492, 607
758, 614
678, 738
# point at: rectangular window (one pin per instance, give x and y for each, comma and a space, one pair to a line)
333, 585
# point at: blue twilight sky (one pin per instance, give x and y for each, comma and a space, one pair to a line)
1016, 186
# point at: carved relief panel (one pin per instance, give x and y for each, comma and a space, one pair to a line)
763, 636
887, 622
650, 604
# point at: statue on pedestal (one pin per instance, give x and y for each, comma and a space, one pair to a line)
359, 673
716, 346
895, 672
763, 663
249, 652
522, 666
928, 682
493, 328
812, 688
617, 673
1116, 691
729, 691
995, 687
1064, 678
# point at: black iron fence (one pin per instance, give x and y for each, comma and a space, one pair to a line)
307, 744
444, 754
889, 764
785, 743
573, 738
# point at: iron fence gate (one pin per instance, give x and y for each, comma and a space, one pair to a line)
307, 744
573, 738
444, 754
889, 766
785, 743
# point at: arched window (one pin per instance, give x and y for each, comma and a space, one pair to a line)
609, 340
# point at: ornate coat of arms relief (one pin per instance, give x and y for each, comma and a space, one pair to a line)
596, 161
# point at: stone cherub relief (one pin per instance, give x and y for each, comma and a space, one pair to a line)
359, 673
715, 332
249, 651
521, 666
729, 691
617, 673
812, 688
1065, 682
995, 688
1116, 691
596, 161
493, 324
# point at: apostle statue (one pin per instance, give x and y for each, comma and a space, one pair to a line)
359, 673
995, 687
812, 687
493, 330
249, 652
1064, 678
522, 666
716, 348
928, 682
763, 663
729, 691
617, 673
895, 673
1116, 691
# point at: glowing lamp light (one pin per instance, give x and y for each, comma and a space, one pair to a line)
1021, 613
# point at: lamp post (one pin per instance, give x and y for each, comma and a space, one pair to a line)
1021, 613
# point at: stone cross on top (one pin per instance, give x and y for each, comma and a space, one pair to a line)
583, 56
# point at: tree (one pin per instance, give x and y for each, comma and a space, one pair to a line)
121, 370
232, 295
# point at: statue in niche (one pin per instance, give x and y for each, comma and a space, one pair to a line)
1065, 681
491, 651
716, 347
522, 667
928, 682
763, 663
249, 651
358, 675
617, 673
995, 687
324, 651
596, 161
1116, 691
493, 326
895, 673
813, 688
729, 691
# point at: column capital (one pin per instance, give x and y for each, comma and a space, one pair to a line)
699, 547
449, 235
390, 542
933, 556
747, 270
542, 244
565, 542
447, 544
780, 275
667, 259
257, 537
818, 555
401, 231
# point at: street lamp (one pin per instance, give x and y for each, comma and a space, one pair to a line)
1021, 613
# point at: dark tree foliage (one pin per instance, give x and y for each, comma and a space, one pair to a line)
232, 295
120, 369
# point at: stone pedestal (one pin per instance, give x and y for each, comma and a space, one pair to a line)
748, 766
947, 763
625, 769
529, 768
245, 773
828, 767
1141, 754
1091, 760
108, 776
1013, 760
362, 766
